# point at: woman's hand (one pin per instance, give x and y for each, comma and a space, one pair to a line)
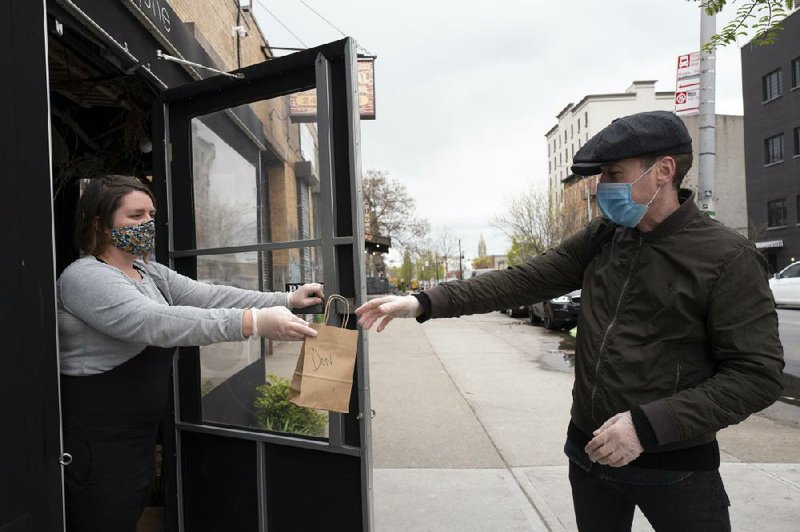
306, 296
278, 323
388, 308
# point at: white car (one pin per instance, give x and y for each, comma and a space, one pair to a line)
786, 286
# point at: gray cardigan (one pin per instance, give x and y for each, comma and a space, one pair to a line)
105, 317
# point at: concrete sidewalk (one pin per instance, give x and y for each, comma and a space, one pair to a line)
471, 416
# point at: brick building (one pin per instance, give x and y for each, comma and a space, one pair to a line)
771, 92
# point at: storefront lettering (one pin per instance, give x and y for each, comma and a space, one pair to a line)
156, 12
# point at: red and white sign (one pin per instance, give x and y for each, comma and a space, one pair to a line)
687, 85
688, 65
687, 96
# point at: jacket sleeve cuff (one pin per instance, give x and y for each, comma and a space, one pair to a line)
662, 421
425, 303
644, 430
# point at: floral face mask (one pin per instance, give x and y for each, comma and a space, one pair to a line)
135, 239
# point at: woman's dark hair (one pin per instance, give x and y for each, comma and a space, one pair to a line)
101, 197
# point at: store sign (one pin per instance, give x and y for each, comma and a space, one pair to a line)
687, 85
303, 105
158, 12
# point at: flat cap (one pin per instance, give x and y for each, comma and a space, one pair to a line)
639, 135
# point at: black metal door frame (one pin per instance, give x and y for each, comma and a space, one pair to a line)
280, 470
30, 473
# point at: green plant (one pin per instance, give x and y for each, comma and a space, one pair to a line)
275, 412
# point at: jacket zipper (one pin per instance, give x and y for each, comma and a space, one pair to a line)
677, 378
613, 320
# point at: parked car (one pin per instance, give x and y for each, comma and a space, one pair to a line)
557, 313
786, 286
518, 312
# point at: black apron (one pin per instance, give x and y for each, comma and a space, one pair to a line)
110, 425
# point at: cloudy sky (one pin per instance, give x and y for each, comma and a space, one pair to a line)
466, 90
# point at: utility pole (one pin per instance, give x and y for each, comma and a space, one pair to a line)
460, 267
707, 119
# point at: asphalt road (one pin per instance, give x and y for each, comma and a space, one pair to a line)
789, 328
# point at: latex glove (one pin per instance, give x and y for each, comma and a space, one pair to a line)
615, 443
386, 309
278, 323
305, 296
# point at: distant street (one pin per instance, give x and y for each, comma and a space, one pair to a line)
789, 323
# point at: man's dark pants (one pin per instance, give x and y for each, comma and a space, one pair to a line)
605, 498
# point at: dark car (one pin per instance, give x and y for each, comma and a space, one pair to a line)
518, 312
557, 313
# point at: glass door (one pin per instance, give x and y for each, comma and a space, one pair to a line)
262, 196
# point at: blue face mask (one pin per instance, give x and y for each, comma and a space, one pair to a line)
616, 201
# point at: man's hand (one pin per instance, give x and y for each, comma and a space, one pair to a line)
305, 296
388, 308
615, 443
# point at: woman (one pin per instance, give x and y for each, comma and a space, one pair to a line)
120, 318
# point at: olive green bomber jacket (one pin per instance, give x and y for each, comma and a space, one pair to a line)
679, 321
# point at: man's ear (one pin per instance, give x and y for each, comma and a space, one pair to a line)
665, 170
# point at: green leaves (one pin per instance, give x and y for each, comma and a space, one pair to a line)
763, 17
276, 413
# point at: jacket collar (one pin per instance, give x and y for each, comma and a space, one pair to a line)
678, 219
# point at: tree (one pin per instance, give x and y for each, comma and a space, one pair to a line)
520, 252
482, 262
761, 16
533, 223
391, 210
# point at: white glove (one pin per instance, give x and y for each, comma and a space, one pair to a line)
388, 308
278, 323
305, 296
615, 443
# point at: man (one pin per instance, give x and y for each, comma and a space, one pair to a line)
677, 337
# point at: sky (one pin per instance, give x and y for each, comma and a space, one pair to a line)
466, 90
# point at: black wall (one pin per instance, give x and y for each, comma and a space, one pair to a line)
30, 473
763, 120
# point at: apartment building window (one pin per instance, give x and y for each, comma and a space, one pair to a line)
586, 120
776, 213
579, 126
797, 202
772, 85
796, 73
773, 149
565, 135
797, 142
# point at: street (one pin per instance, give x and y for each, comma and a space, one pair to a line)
471, 415
789, 326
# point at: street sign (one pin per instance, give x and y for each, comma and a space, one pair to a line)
687, 85
687, 96
688, 65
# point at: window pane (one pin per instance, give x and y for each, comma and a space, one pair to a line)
773, 149
796, 73
245, 383
255, 170
772, 85
797, 141
776, 213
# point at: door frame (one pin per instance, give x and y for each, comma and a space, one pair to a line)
330, 68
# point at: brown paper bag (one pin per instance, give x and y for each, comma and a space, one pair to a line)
323, 377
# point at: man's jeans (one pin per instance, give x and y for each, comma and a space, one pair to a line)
604, 497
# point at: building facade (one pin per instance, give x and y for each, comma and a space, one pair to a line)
577, 123
771, 92
576, 195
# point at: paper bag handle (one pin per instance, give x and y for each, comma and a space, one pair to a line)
331, 298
